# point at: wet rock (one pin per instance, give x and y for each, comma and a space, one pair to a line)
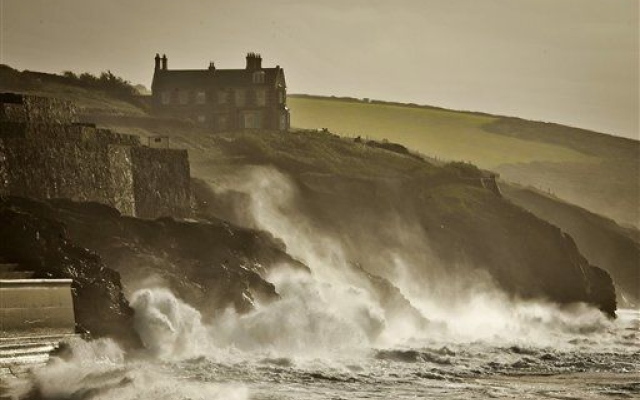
41, 244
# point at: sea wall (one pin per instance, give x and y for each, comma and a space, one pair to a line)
34, 109
32, 306
161, 181
59, 158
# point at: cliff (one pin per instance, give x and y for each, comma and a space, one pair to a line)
601, 240
440, 220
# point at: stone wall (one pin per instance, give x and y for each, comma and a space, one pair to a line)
34, 109
161, 181
59, 158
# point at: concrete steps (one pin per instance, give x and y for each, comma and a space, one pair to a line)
18, 355
22, 351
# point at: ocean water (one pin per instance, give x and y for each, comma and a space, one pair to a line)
593, 362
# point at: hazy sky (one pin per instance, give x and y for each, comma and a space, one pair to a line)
568, 61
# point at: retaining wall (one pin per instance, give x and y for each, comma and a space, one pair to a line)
36, 307
58, 158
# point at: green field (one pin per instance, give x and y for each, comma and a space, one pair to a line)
434, 132
596, 171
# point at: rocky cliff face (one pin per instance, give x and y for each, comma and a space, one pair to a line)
601, 240
212, 265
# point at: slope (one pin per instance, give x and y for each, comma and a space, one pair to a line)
596, 171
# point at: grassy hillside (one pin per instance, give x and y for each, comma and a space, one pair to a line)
434, 132
596, 171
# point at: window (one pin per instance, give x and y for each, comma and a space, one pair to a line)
252, 120
183, 97
221, 122
281, 96
261, 97
165, 97
201, 118
240, 97
222, 96
258, 77
200, 97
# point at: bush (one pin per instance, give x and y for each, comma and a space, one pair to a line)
107, 82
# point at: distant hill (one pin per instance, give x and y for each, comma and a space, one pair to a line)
593, 170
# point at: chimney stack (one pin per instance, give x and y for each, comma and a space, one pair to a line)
254, 61
157, 58
164, 61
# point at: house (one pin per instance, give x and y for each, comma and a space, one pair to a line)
223, 99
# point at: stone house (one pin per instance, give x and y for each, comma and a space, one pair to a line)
223, 99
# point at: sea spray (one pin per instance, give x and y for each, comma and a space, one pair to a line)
463, 299
306, 319
73, 371
474, 308
168, 327
346, 292
99, 370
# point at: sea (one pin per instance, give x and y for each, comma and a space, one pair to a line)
600, 361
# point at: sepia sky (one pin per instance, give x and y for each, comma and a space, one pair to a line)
568, 61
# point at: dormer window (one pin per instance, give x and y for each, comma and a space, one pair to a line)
258, 77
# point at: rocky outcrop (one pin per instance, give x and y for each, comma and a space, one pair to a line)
211, 264
29, 236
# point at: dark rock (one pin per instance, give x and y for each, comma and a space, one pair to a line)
210, 264
41, 244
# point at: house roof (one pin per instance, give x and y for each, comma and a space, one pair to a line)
217, 77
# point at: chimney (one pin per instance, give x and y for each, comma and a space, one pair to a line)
157, 61
164, 61
254, 61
